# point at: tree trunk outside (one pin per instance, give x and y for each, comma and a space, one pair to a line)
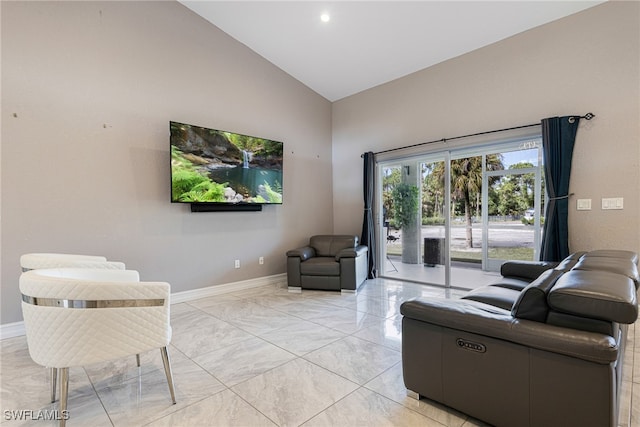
467, 215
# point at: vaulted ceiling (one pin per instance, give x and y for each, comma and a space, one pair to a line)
366, 43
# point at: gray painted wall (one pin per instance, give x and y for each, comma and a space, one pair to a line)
88, 90
589, 61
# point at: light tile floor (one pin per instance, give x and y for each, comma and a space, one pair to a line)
261, 357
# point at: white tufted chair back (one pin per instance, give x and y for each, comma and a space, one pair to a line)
60, 336
80, 316
36, 261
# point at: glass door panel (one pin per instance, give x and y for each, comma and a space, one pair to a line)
433, 236
514, 198
414, 249
391, 236
466, 225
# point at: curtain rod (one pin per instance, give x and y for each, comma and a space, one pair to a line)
587, 116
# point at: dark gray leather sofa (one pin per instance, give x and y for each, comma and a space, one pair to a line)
328, 262
543, 346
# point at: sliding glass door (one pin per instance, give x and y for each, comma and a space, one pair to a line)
514, 200
434, 238
466, 213
414, 211
451, 218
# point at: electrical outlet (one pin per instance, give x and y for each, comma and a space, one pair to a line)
261, 260
237, 265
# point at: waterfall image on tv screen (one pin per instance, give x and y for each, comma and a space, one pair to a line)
214, 166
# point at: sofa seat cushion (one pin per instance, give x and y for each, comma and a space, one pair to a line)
494, 295
595, 294
514, 283
320, 266
580, 323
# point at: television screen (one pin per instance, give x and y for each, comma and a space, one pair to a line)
219, 167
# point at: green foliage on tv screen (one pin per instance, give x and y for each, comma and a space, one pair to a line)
258, 146
272, 196
188, 185
204, 192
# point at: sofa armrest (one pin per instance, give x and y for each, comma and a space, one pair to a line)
482, 319
529, 270
303, 253
352, 252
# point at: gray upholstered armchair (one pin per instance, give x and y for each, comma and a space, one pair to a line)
328, 263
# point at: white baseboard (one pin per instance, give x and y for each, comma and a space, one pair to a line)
10, 330
277, 279
16, 329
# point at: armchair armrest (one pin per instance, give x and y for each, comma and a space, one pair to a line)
352, 252
303, 253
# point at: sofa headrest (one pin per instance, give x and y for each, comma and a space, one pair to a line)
595, 294
614, 265
614, 253
330, 245
568, 263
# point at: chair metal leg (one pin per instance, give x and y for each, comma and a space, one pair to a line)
167, 370
64, 394
54, 383
138, 360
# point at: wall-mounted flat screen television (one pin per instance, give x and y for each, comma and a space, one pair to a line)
216, 167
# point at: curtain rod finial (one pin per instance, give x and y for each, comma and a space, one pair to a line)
587, 116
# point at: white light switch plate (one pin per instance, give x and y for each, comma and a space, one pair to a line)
613, 203
584, 204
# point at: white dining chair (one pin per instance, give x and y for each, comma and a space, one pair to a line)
79, 316
34, 261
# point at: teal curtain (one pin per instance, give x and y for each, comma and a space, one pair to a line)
368, 231
558, 140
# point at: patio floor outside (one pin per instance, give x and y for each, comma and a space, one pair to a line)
463, 275
511, 240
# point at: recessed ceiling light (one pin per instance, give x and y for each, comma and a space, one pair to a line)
325, 17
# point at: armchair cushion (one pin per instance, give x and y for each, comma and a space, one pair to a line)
329, 245
320, 266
